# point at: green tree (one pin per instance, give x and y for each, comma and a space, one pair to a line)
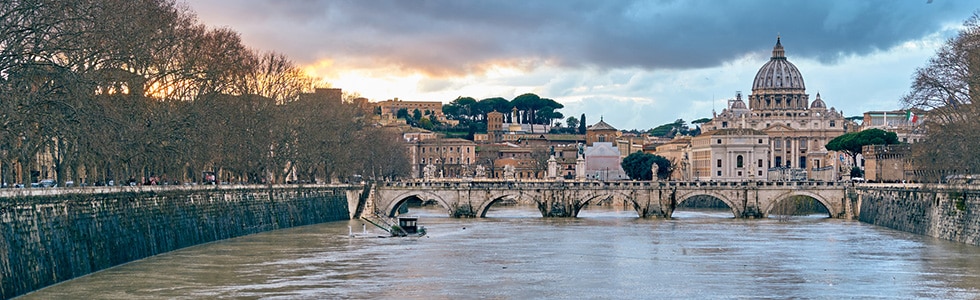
669, 130
494, 104
638, 166
851, 143
701, 121
570, 124
581, 124
463, 108
402, 113
426, 123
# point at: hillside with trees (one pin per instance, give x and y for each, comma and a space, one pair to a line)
531, 109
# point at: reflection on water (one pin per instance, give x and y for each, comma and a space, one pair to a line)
607, 253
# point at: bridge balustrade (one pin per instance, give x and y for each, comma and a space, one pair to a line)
607, 184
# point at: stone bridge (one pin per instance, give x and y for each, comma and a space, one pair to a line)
747, 199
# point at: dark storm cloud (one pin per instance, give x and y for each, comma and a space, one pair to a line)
453, 37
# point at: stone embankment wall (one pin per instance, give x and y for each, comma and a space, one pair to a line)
950, 212
52, 235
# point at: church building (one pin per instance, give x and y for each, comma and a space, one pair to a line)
797, 129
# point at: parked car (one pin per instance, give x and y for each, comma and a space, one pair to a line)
47, 183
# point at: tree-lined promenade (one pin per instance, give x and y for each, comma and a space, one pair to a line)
120, 89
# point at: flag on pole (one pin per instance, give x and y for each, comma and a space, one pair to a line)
911, 116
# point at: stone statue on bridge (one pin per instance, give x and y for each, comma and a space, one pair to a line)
510, 172
655, 169
429, 172
552, 167
481, 171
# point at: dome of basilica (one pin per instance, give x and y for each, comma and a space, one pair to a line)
778, 73
818, 103
738, 104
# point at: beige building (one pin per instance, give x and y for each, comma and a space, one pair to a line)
676, 151
426, 108
779, 106
451, 158
601, 132
891, 163
730, 154
906, 124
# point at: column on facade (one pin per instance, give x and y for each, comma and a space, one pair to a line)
772, 153
799, 151
727, 165
787, 152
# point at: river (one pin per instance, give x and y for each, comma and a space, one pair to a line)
606, 253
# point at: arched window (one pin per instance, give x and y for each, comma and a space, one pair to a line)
738, 161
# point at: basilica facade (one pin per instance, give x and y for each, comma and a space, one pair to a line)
796, 128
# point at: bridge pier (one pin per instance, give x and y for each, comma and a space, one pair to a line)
463, 211
657, 203
752, 212
557, 204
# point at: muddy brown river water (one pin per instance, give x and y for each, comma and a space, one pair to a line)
606, 253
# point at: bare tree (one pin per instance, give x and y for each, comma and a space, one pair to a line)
943, 88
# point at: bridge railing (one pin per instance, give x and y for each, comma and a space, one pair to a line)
477, 184
52, 191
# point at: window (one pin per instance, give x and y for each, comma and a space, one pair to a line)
760, 173
719, 141
719, 163
760, 141
779, 161
833, 123
778, 144
738, 162
724, 124
760, 163
719, 173
802, 144
739, 173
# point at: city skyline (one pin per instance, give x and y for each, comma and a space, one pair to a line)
637, 64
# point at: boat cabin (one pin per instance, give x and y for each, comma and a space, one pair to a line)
409, 224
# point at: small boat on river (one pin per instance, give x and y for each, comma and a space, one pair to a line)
404, 227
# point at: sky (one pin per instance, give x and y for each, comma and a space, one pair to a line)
635, 64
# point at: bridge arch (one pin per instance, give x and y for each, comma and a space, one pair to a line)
492, 197
680, 198
391, 208
616, 195
831, 209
